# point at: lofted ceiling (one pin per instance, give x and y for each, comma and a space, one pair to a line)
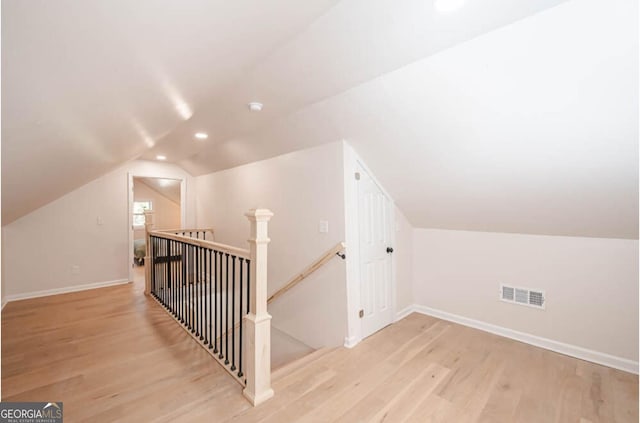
512, 116
169, 188
90, 84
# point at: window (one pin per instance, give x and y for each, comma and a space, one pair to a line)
138, 212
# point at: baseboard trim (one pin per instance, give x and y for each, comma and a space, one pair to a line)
548, 344
65, 290
4, 303
405, 312
350, 341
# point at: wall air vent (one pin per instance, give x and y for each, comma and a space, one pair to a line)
536, 299
522, 296
507, 293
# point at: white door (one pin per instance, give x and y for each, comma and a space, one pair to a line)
375, 221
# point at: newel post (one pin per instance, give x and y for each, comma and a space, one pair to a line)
258, 321
148, 227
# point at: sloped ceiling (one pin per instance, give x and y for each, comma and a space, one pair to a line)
90, 84
503, 116
169, 188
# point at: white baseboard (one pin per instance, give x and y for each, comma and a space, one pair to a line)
350, 341
65, 290
405, 312
548, 344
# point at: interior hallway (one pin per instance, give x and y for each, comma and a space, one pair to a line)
113, 355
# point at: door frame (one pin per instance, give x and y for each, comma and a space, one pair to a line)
183, 208
352, 164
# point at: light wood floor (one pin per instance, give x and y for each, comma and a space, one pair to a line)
113, 355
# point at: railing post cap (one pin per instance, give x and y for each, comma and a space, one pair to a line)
259, 214
148, 218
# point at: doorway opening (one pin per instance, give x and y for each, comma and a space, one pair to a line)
163, 196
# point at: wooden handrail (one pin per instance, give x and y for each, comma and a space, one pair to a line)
185, 230
309, 270
239, 252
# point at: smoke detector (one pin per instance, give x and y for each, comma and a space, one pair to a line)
254, 106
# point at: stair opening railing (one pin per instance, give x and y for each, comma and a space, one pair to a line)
218, 294
203, 233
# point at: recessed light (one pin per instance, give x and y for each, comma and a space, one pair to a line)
184, 110
254, 106
161, 157
201, 135
448, 6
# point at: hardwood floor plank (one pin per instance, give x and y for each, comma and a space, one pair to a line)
502, 402
403, 404
111, 354
360, 384
435, 409
624, 395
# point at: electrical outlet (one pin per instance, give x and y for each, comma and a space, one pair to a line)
75, 269
323, 227
99, 220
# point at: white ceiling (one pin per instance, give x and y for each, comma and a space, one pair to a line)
169, 188
353, 42
530, 128
87, 85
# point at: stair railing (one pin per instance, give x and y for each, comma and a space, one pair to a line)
202, 233
218, 294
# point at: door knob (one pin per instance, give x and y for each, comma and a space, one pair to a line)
389, 250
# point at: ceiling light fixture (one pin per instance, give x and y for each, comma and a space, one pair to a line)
254, 106
201, 135
448, 6
184, 110
159, 157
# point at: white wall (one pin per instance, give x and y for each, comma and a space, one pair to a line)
41, 247
166, 213
591, 284
301, 188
